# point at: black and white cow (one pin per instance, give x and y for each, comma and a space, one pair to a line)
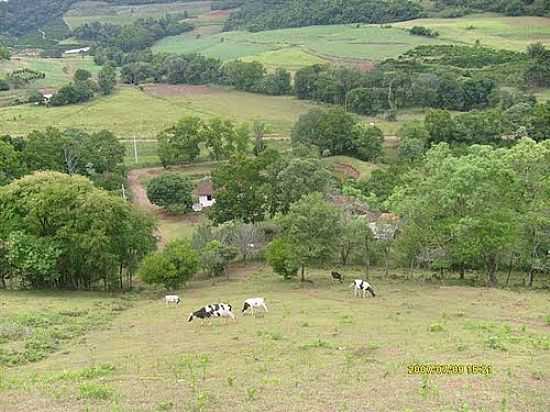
216, 310
337, 276
361, 287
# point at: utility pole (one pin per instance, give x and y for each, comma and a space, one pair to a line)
135, 149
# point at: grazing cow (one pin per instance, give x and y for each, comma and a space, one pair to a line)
216, 310
254, 303
172, 299
361, 287
337, 276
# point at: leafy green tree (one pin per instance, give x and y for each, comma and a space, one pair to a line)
177, 264
81, 75
461, 204
214, 257
45, 150
539, 122
106, 79
90, 228
240, 186
413, 138
11, 164
171, 191
368, 142
180, 143
159, 269
311, 228
290, 180
331, 131
242, 75
280, 256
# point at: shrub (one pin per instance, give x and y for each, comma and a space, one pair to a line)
280, 256
423, 31
172, 192
172, 267
4, 85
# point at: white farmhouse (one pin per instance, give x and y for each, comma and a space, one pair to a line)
205, 193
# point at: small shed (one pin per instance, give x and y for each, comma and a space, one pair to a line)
205, 194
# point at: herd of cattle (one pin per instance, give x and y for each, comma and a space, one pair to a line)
224, 310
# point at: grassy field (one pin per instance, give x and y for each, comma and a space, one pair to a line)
131, 111
318, 349
58, 71
88, 11
295, 48
513, 33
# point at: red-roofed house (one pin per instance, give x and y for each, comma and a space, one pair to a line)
205, 193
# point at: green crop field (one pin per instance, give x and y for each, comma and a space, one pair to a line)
301, 46
88, 11
131, 111
318, 348
295, 48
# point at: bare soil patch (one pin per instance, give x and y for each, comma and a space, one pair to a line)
347, 170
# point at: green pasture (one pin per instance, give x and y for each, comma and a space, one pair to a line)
132, 112
89, 11
318, 348
513, 33
58, 71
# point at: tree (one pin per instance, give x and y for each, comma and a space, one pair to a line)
356, 240
539, 122
44, 150
461, 204
185, 259
331, 131
413, 138
106, 79
11, 164
171, 191
158, 269
180, 143
243, 76
240, 189
290, 180
279, 254
4, 85
312, 228
81, 75
368, 142
259, 130
91, 230
215, 257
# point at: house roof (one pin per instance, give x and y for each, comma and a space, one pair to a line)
205, 187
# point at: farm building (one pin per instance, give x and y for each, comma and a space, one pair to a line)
205, 194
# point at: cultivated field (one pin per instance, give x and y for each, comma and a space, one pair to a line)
295, 48
89, 11
318, 349
131, 111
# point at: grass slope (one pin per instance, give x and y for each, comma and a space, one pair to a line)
318, 349
513, 33
89, 11
132, 112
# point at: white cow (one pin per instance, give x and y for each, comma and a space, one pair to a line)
172, 299
361, 287
254, 303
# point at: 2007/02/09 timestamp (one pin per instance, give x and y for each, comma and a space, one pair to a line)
449, 369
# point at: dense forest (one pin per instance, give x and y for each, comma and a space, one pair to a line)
259, 15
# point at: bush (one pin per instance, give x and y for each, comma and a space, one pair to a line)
172, 192
423, 31
280, 256
4, 85
172, 267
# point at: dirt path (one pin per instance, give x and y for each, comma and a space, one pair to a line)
140, 196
